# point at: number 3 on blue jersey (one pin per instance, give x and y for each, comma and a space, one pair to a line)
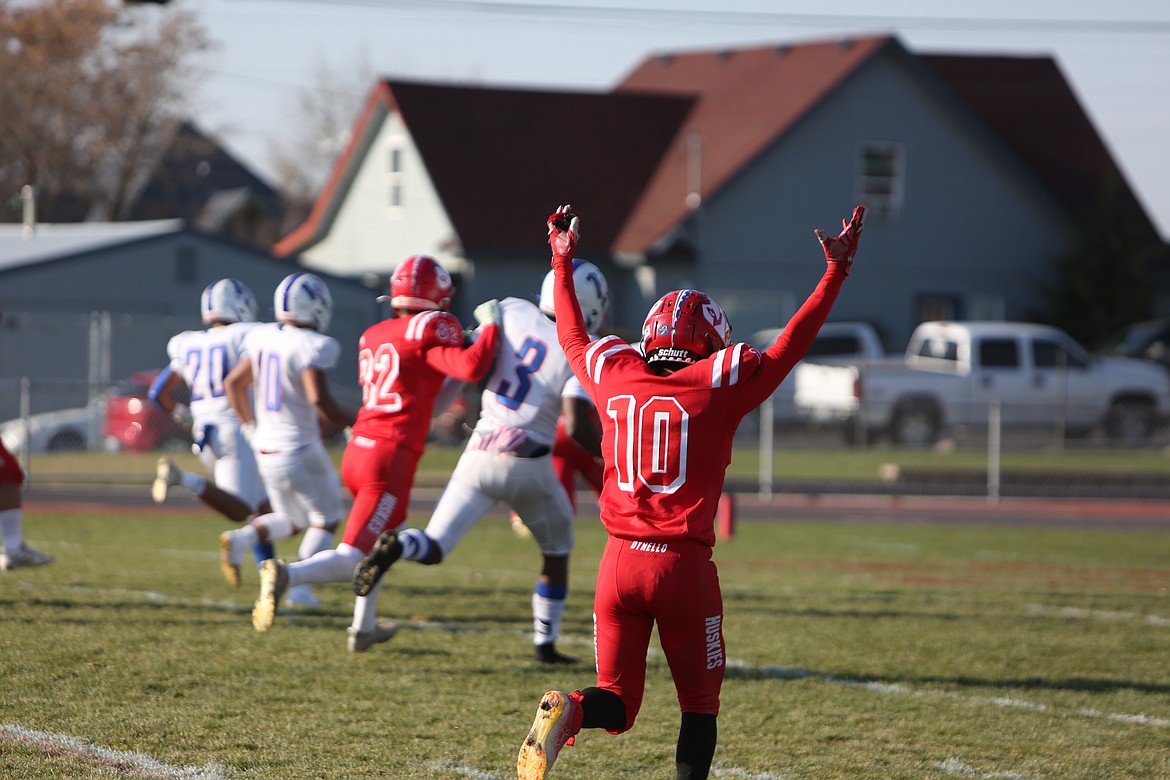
529, 358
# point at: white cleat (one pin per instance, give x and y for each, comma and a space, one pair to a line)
273, 584
557, 719
301, 596
519, 528
361, 641
166, 476
227, 566
23, 556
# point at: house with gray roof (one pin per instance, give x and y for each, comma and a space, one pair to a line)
90, 303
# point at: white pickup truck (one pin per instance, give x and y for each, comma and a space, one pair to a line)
836, 342
953, 372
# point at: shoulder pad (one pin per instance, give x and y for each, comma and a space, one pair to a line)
727, 365
435, 328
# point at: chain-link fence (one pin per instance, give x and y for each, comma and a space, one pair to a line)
74, 382
1036, 454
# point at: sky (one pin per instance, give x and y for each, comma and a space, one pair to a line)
1115, 55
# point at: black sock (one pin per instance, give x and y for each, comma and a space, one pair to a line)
602, 710
696, 746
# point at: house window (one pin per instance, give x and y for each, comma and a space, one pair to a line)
987, 307
880, 178
931, 308
186, 265
394, 177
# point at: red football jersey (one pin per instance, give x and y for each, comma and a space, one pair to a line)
401, 366
667, 439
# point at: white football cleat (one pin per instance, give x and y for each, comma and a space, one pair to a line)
360, 641
301, 596
519, 528
166, 476
273, 584
557, 719
23, 556
228, 566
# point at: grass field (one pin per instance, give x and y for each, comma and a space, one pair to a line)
856, 650
828, 463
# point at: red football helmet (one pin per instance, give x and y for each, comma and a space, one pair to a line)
684, 326
421, 283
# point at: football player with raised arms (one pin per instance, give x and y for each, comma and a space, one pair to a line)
669, 413
508, 457
281, 418
402, 363
200, 360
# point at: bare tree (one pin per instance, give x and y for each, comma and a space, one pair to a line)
89, 87
325, 113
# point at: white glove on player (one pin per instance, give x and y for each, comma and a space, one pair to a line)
488, 312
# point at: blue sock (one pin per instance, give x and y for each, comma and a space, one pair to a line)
263, 552
555, 592
416, 545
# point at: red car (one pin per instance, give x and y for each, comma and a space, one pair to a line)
136, 424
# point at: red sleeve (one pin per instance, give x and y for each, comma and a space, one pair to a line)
570, 324
468, 364
792, 345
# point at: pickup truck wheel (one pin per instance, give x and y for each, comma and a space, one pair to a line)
1130, 420
855, 434
915, 424
67, 441
174, 443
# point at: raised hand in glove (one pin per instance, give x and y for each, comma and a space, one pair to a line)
563, 232
488, 312
840, 250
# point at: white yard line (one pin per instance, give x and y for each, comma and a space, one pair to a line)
1103, 615
906, 690
953, 766
112, 762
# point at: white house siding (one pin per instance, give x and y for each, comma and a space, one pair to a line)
991, 228
367, 235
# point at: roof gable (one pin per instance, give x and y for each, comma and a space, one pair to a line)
1027, 103
745, 99
190, 171
498, 156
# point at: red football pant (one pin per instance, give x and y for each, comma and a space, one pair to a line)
379, 473
676, 585
569, 458
10, 471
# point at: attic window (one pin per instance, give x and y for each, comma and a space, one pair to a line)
880, 177
394, 177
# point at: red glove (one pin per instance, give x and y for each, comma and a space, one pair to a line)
563, 233
839, 251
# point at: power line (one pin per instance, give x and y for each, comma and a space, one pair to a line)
761, 18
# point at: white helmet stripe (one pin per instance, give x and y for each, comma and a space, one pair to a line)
418, 325
594, 361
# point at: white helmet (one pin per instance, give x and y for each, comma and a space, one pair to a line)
228, 300
303, 299
592, 294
